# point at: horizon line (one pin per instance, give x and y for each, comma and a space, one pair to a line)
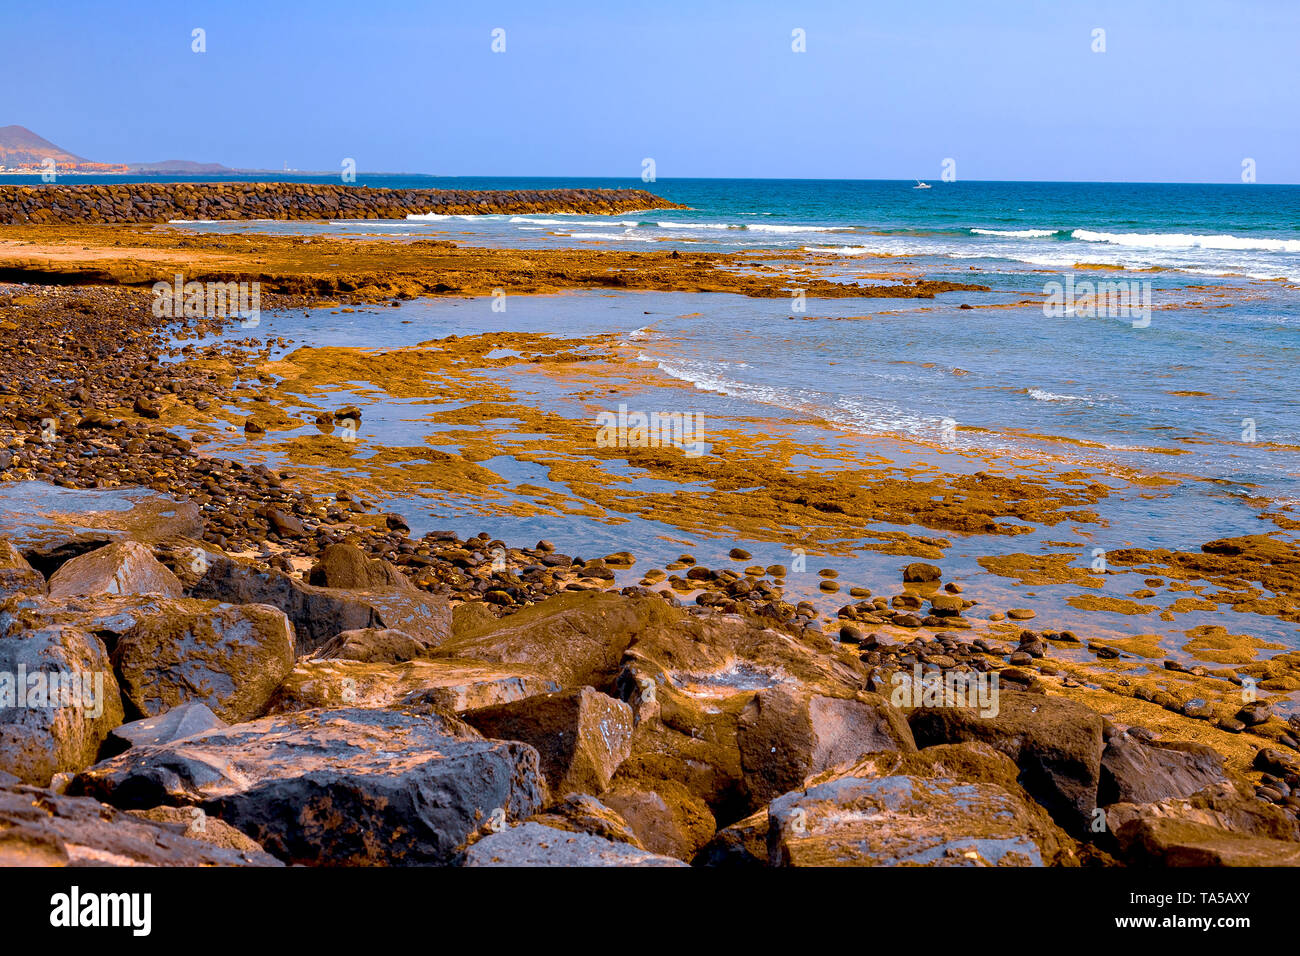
214, 177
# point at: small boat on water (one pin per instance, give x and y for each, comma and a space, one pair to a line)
921, 185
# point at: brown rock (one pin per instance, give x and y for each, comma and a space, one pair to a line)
581, 735
1056, 743
784, 735
921, 573
123, 568
42, 828
374, 646
231, 658
16, 575
667, 819
581, 813
347, 566
58, 699
1133, 771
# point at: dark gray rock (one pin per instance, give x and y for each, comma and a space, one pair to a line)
319, 613
1056, 743
336, 787
1133, 771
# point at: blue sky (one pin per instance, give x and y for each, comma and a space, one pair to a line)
1010, 89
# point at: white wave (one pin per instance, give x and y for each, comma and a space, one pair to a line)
1015, 233
1266, 276
1179, 240
751, 227
777, 227
427, 216
638, 335
543, 222
698, 225
191, 222
840, 412
1041, 395
613, 236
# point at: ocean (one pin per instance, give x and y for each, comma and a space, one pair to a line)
1251, 230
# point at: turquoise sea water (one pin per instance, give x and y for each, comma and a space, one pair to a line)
1207, 387
1208, 229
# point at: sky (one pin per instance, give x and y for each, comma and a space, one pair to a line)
1184, 91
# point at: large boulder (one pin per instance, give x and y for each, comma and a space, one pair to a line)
58, 699
336, 787
50, 524
691, 681
1135, 771
1217, 826
576, 638
786, 734
115, 570
16, 575
449, 684
946, 805
319, 613
904, 820
582, 735
231, 658
532, 844
42, 828
1057, 744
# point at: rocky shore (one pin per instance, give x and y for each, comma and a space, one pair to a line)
162, 202
257, 670
245, 715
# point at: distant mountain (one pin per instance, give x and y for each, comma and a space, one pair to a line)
178, 166
20, 147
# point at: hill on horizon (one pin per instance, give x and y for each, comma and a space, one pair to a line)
20, 146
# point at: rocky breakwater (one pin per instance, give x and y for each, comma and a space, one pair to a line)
165, 702
162, 202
